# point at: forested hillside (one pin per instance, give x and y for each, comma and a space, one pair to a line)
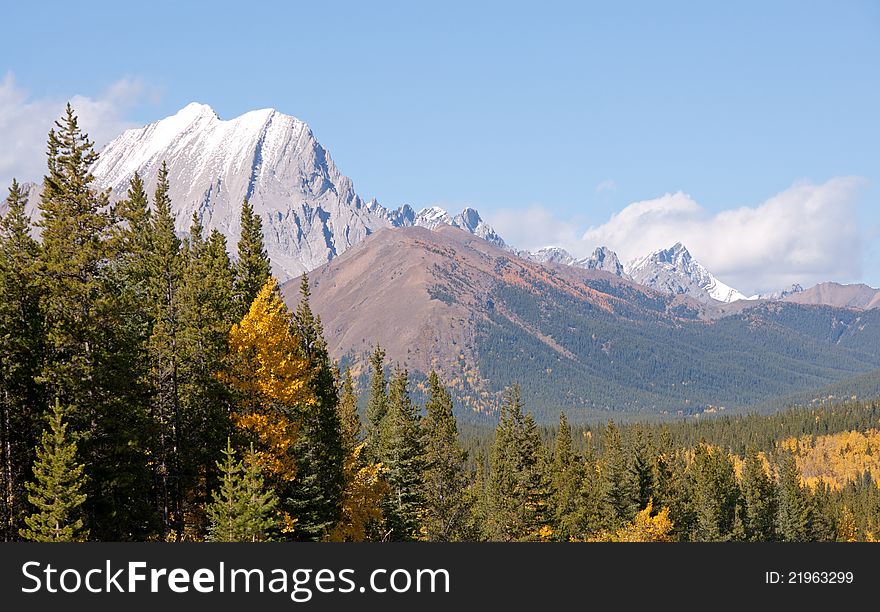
153, 388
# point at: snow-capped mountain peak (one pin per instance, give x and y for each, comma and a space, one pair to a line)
605, 259
674, 270
309, 209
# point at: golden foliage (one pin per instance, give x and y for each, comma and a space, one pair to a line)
836, 459
271, 378
644, 528
266, 363
361, 499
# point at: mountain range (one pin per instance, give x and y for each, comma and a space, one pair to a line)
658, 334
582, 340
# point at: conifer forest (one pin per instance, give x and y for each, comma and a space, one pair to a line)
155, 387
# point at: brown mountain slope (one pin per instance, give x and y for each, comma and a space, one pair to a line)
583, 341
421, 293
837, 295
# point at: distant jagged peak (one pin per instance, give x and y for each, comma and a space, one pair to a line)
605, 259
674, 270
549, 254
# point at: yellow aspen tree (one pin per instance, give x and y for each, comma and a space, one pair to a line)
271, 379
361, 499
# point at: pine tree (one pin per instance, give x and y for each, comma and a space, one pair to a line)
91, 353
206, 317
447, 504
243, 509
568, 486
517, 490
758, 500
620, 491
56, 493
715, 494
317, 493
253, 268
350, 421
641, 468
364, 488
165, 270
403, 459
793, 516
377, 406
21, 354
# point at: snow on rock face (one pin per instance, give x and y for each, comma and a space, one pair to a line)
550, 254
605, 259
673, 270
309, 209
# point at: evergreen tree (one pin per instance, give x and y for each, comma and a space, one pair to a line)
447, 505
567, 486
21, 354
56, 493
243, 509
350, 421
317, 492
165, 270
641, 468
758, 500
715, 494
516, 490
206, 317
403, 459
619, 490
793, 516
90, 350
253, 268
377, 406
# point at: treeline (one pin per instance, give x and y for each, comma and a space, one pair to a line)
151, 388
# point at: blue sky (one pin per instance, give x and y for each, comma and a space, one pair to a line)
548, 117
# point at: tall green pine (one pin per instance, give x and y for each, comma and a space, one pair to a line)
317, 491
447, 503
90, 352
377, 406
402, 455
21, 355
252, 268
56, 493
243, 509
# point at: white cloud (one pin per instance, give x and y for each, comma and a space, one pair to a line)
807, 233
536, 227
25, 122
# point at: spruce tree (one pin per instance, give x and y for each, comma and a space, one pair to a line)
715, 494
517, 490
619, 489
794, 515
567, 485
641, 468
403, 459
349, 420
447, 504
758, 500
165, 270
377, 406
56, 492
206, 317
317, 494
21, 355
243, 509
253, 268
91, 353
